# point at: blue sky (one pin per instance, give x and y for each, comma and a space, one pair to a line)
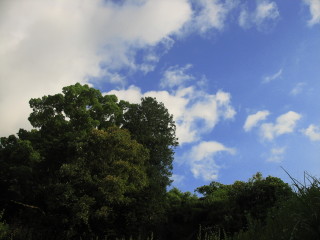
242, 78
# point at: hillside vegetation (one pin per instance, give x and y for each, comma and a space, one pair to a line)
94, 167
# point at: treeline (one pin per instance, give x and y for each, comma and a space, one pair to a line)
259, 209
94, 167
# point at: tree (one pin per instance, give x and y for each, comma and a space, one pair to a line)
151, 125
107, 169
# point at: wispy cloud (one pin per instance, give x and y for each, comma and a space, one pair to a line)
312, 132
202, 159
266, 10
298, 88
273, 77
153, 53
284, 124
209, 14
314, 6
253, 119
263, 17
244, 19
176, 76
276, 154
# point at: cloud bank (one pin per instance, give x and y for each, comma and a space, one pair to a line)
45, 45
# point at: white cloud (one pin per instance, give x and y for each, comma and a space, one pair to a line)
195, 112
202, 159
45, 45
152, 54
273, 77
176, 76
244, 19
223, 100
312, 132
314, 6
266, 10
210, 14
253, 119
276, 154
263, 17
298, 88
285, 123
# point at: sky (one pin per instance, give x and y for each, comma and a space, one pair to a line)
240, 77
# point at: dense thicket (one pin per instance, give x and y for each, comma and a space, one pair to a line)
94, 167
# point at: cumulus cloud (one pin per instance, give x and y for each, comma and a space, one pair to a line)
45, 45
276, 154
263, 17
195, 112
202, 159
273, 77
253, 119
312, 132
314, 6
176, 76
284, 124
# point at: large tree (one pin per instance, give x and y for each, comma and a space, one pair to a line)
151, 125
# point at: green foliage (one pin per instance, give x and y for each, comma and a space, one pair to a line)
78, 108
297, 218
224, 209
229, 205
152, 126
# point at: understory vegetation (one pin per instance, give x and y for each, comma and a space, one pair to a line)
96, 168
